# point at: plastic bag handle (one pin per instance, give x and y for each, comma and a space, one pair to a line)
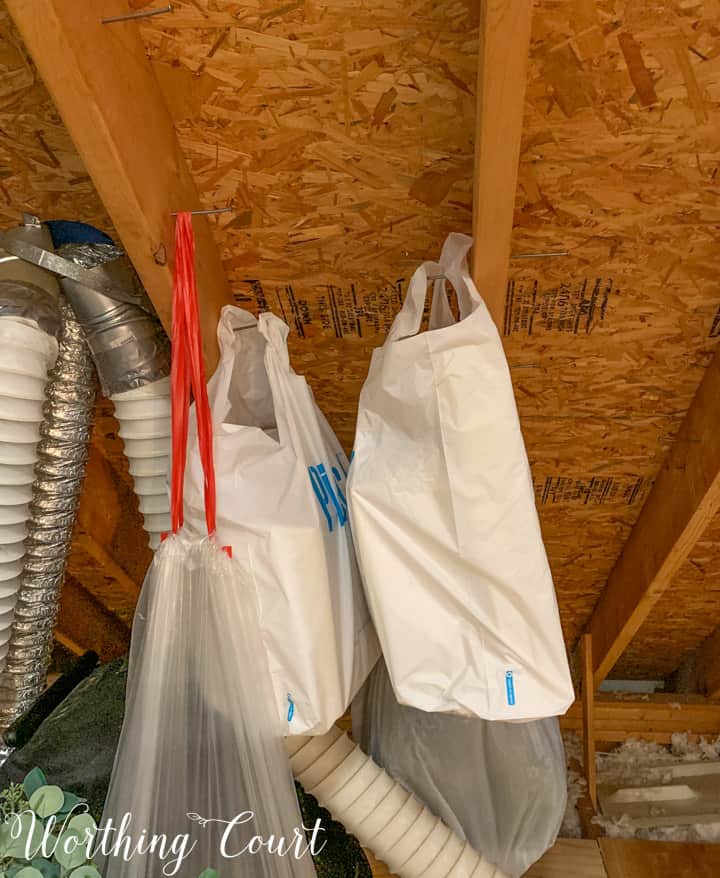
409, 318
453, 267
188, 371
275, 332
230, 333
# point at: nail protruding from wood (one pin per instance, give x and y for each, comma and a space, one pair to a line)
548, 255
212, 210
141, 13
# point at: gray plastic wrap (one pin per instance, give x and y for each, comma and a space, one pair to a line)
500, 785
62, 455
128, 343
26, 301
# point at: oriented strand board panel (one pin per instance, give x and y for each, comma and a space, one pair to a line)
40, 170
631, 858
621, 147
340, 134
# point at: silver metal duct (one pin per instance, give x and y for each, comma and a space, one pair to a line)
132, 356
62, 456
131, 353
25, 301
127, 341
31, 234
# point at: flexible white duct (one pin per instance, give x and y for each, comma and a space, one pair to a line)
382, 814
144, 416
26, 354
28, 348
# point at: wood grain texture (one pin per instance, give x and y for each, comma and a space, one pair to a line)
83, 623
683, 618
681, 505
104, 88
588, 703
632, 858
110, 552
503, 48
655, 718
570, 858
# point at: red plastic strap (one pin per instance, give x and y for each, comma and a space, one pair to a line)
188, 371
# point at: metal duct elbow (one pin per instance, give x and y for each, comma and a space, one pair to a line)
132, 356
128, 344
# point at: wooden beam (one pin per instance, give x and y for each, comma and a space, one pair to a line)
588, 700
656, 719
681, 504
641, 858
106, 92
570, 858
504, 45
585, 808
106, 565
109, 526
69, 644
84, 623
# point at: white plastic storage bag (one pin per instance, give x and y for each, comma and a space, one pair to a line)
201, 777
443, 514
282, 508
502, 786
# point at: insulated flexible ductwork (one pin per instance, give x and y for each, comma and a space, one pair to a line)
131, 353
382, 814
28, 347
59, 471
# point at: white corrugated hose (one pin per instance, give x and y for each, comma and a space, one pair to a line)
27, 353
382, 814
144, 416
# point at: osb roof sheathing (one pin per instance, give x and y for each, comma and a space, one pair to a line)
341, 134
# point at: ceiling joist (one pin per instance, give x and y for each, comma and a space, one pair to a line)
106, 92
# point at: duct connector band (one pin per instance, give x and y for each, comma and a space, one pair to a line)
380, 812
29, 320
132, 356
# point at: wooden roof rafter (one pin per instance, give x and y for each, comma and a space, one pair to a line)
104, 87
680, 506
500, 101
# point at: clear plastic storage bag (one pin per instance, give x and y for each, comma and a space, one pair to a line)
502, 786
201, 770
